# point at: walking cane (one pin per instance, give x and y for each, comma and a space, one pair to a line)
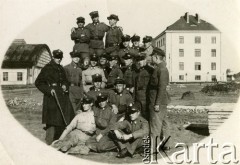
56, 98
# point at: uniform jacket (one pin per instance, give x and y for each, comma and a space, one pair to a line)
93, 93
158, 85
121, 53
104, 118
114, 73
74, 76
113, 37
129, 76
134, 51
83, 121
81, 37
138, 128
52, 76
97, 32
120, 100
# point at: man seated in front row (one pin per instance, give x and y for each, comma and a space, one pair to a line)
81, 128
129, 133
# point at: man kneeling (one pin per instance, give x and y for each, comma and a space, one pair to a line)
81, 128
129, 133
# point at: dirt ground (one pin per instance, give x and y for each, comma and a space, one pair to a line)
27, 108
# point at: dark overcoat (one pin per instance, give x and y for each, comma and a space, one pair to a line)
52, 76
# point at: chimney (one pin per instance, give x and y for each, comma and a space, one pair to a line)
187, 17
197, 18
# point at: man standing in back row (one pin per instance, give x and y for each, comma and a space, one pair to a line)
158, 97
97, 32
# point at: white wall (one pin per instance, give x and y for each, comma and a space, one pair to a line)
189, 59
12, 77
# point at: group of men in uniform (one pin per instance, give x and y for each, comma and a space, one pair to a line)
112, 94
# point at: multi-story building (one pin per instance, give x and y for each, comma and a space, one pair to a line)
193, 50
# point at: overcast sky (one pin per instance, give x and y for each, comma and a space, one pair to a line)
149, 17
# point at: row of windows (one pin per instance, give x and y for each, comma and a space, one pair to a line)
197, 40
161, 42
197, 52
198, 77
197, 66
19, 76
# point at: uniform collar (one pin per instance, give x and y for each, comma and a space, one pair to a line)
96, 23
74, 65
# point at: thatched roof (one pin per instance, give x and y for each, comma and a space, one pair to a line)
23, 55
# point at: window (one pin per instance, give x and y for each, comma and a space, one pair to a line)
214, 40
181, 53
19, 76
213, 52
181, 77
163, 41
181, 39
5, 76
197, 77
197, 40
181, 65
214, 78
197, 65
213, 65
197, 52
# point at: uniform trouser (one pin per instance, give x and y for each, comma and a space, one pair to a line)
104, 144
141, 97
131, 145
53, 133
158, 125
75, 140
97, 51
75, 96
109, 50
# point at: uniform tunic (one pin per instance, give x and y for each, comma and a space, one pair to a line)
74, 76
158, 96
97, 32
121, 101
87, 77
141, 84
113, 39
114, 73
138, 128
121, 53
103, 118
81, 37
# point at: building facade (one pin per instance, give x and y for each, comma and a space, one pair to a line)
193, 50
23, 62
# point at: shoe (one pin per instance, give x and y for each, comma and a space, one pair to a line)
123, 153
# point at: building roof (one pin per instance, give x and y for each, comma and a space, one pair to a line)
188, 23
23, 55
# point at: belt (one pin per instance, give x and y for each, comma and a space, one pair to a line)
96, 38
88, 133
112, 44
75, 84
56, 84
89, 83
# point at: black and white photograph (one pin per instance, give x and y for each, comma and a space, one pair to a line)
119, 82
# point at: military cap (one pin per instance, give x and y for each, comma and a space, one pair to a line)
111, 58
87, 100
80, 20
127, 56
147, 39
157, 51
97, 78
57, 54
126, 38
113, 16
94, 57
102, 97
142, 49
135, 38
140, 57
132, 108
75, 53
104, 55
119, 80
94, 14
